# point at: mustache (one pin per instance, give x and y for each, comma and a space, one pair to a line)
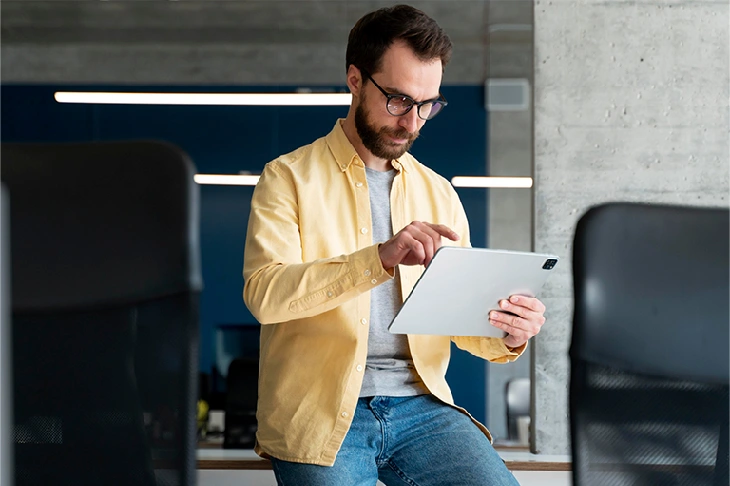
400, 133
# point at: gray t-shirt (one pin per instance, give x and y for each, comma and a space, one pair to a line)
389, 369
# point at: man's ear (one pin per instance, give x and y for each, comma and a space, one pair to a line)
354, 80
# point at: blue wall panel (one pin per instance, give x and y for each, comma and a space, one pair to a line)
222, 139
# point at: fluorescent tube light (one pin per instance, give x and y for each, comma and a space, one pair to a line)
500, 182
226, 180
235, 99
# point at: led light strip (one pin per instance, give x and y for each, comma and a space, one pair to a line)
222, 99
493, 182
226, 179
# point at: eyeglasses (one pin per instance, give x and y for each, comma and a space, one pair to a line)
399, 105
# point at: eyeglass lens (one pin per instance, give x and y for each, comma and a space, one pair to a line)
400, 105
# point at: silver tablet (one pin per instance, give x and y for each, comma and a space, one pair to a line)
454, 295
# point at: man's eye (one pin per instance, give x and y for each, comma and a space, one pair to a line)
400, 101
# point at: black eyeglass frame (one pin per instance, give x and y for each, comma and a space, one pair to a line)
440, 100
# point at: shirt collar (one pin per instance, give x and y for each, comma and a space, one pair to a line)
345, 153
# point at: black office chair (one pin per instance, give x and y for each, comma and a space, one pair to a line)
6, 377
649, 352
105, 283
241, 399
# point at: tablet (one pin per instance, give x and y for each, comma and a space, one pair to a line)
461, 286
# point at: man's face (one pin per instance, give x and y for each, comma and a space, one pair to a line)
384, 135
379, 140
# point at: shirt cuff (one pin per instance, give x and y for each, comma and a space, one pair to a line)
509, 354
369, 268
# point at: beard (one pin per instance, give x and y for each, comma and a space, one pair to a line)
378, 141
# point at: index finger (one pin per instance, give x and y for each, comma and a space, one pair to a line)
531, 303
444, 230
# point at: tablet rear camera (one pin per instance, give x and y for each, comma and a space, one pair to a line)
549, 264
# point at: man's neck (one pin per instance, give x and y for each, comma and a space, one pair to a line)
370, 161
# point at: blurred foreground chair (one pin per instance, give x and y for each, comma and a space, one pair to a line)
105, 284
6, 377
649, 351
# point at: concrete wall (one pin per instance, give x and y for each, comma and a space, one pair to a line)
631, 103
510, 34
208, 41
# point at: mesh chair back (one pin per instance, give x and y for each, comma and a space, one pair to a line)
649, 351
105, 285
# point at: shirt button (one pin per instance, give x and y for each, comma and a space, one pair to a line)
363, 230
366, 273
344, 414
373, 281
330, 294
358, 368
358, 184
343, 166
363, 321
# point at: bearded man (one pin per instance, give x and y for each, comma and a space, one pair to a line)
339, 232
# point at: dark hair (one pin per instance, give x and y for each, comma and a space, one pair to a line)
374, 33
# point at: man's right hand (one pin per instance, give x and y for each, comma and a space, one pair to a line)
414, 245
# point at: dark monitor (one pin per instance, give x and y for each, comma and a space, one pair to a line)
234, 341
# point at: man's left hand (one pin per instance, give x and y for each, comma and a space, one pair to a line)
526, 322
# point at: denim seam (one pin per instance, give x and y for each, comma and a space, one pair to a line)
401, 474
384, 445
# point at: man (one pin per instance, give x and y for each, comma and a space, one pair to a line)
341, 400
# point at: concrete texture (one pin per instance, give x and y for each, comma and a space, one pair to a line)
510, 47
510, 227
204, 41
631, 104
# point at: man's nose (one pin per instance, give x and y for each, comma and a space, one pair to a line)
410, 120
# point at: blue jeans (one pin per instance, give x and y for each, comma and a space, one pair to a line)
416, 441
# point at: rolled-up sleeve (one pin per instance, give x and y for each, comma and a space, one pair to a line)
278, 285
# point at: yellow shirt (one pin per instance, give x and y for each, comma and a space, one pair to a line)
309, 265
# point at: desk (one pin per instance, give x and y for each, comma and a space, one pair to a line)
242, 459
230, 467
